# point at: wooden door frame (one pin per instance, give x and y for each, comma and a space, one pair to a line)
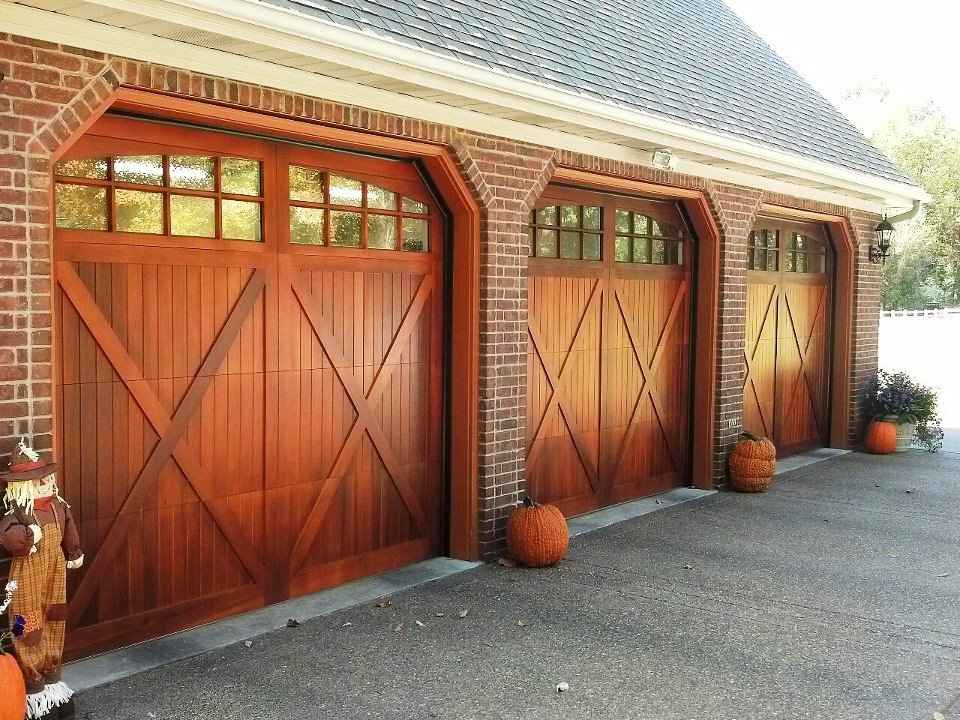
463, 264
841, 342
706, 285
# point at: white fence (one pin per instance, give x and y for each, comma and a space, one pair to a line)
921, 313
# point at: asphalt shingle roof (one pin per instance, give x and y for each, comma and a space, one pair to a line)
692, 61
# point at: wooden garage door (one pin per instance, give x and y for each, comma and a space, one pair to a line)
787, 349
608, 363
248, 373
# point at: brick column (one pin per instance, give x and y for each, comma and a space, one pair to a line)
867, 281
735, 209
507, 178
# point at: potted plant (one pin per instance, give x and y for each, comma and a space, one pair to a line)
898, 399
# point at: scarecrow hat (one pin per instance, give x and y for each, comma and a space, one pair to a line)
26, 464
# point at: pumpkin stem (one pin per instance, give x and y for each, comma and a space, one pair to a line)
527, 502
750, 436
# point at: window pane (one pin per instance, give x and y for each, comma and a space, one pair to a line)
623, 221
591, 247
622, 252
773, 238
192, 172
306, 184
306, 226
752, 240
380, 198
344, 191
641, 224
240, 177
193, 216
382, 232
570, 245
801, 262
412, 206
95, 169
641, 250
678, 253
547, 215
344, 227
771, 259
656, 229
659, 252
591, 217
546, 243
791, 259
415, 238
139, 212
570, 216
139, 169
241, 220
81, 207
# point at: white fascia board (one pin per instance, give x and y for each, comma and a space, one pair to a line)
57, 28
296, 32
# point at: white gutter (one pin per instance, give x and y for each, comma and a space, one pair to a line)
908, 215
276, 27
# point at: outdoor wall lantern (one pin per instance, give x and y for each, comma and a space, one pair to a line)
884, 231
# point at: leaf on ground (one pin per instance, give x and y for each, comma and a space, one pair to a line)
463, 613
506, 562
347, 624
384, 603
439, 614
293, 623
943, 575
398, 628
688, 567
248, 643
563, 687
420, 623
521, 623
938, 716
660, 502
910, 490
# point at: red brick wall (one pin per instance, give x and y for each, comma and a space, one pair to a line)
50, 91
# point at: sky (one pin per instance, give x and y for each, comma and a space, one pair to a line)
913, 47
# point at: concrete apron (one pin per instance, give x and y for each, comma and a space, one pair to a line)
118, 664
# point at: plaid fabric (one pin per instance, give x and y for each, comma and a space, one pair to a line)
41, 582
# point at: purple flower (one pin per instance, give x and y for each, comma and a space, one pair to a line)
18, 625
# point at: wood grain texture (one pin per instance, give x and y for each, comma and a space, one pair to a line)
240, 422
788, 349
608, 370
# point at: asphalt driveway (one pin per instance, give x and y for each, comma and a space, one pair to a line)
834, 595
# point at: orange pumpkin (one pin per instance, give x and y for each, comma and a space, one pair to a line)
881, 437
13, 693
752, 463
537, 535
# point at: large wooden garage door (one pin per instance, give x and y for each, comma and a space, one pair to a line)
608, 364
248, 373
787, 350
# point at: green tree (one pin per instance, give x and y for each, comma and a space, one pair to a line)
925, 264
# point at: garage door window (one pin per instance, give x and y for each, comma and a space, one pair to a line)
570, 232
201, 196
642, 239
334, 210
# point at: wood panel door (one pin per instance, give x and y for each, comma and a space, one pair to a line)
249, 376
608, 367
787, 349
359, 380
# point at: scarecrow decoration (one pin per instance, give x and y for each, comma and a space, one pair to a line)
39, 531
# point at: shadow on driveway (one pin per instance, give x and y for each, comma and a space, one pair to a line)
834, 595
